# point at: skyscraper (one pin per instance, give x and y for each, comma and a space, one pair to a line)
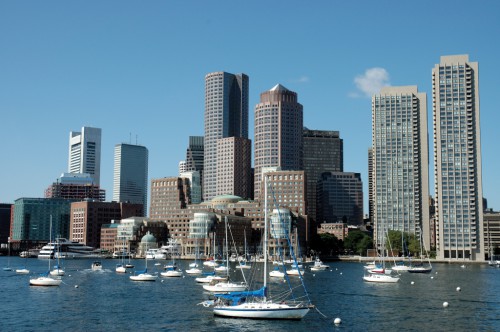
234, 166
85, 152
457, 159
194, 155
278, 133
130, 178
226, 115
400, 163
323, 152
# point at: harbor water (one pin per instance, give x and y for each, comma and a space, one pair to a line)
107, 301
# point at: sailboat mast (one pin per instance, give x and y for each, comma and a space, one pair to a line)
265, 233
227, 250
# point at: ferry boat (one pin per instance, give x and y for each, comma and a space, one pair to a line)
64, 248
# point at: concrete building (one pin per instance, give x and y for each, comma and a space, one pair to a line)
87, 218
182, 166
234, 163
323, 151
85, 152
226, 115
77, 186
5, 219
340, 198
457, 159
195, 155
130, 177
278, 133
339, 229
491, 225
400, 163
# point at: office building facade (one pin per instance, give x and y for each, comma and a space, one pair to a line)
130, 178
322, 152
234, 164
226, 115
457, 159
278, 133
85, 152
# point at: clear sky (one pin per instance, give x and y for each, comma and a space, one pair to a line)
136, 69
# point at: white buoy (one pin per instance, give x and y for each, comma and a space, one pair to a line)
412, 282
432, 277
458, 289
76, 286
314, 275
340, 272
445, 304
337, 321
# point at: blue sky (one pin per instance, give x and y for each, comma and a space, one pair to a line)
136, 69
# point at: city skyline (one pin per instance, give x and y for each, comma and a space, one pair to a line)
134, 75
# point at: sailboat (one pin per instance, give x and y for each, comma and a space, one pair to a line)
256, 304
380, 275
172, 270
144, 275
243, 263
210, 262
23, 270
8, 268
57, 271
419, 267
401, 266
193, 267
45, 279
120, 268
225, 286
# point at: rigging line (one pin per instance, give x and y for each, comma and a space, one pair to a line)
290, 245
236, 250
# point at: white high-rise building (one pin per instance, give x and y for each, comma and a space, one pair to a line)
457, 159
195, 185
85, 152
400, 163
130, 179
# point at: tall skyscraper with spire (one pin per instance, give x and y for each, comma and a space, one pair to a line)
400, 163
226, 115
278, 133
457, 159
85, 152
130, 178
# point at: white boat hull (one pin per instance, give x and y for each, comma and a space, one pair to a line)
45, 281
121, 269
262, 311
378, 277
224, 287
277, 274
194, 271
172, 274
143, 277
22, 271
57, 272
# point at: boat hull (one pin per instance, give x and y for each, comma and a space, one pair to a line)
381, 278
262, 311
143, 277
45, 281
420, 270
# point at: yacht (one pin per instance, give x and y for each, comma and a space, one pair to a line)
64, 248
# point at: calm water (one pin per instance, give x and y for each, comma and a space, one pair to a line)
107, 301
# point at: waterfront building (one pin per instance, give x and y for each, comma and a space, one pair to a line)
323, 151
85, 152
194, 185
109, 233
77, 186
5, 219
370, 186
340, 198
457, 159
234, 156
226, 115
87, 218
32, 217
278, 133
400, 172
130, 177
491, 226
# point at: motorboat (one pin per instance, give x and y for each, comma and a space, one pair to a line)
96, 266
319, 266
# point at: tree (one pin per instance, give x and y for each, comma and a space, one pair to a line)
326, 244
358, 242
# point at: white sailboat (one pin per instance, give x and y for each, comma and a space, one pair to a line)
193, 267
58, 270
225, 286
243, 263
143, 275
256, 304
8, 268
45, 279
380, 274
420, 267
120, 268
172, 270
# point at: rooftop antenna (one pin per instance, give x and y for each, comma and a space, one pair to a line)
129, 138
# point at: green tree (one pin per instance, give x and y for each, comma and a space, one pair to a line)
358, 242
326, 244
